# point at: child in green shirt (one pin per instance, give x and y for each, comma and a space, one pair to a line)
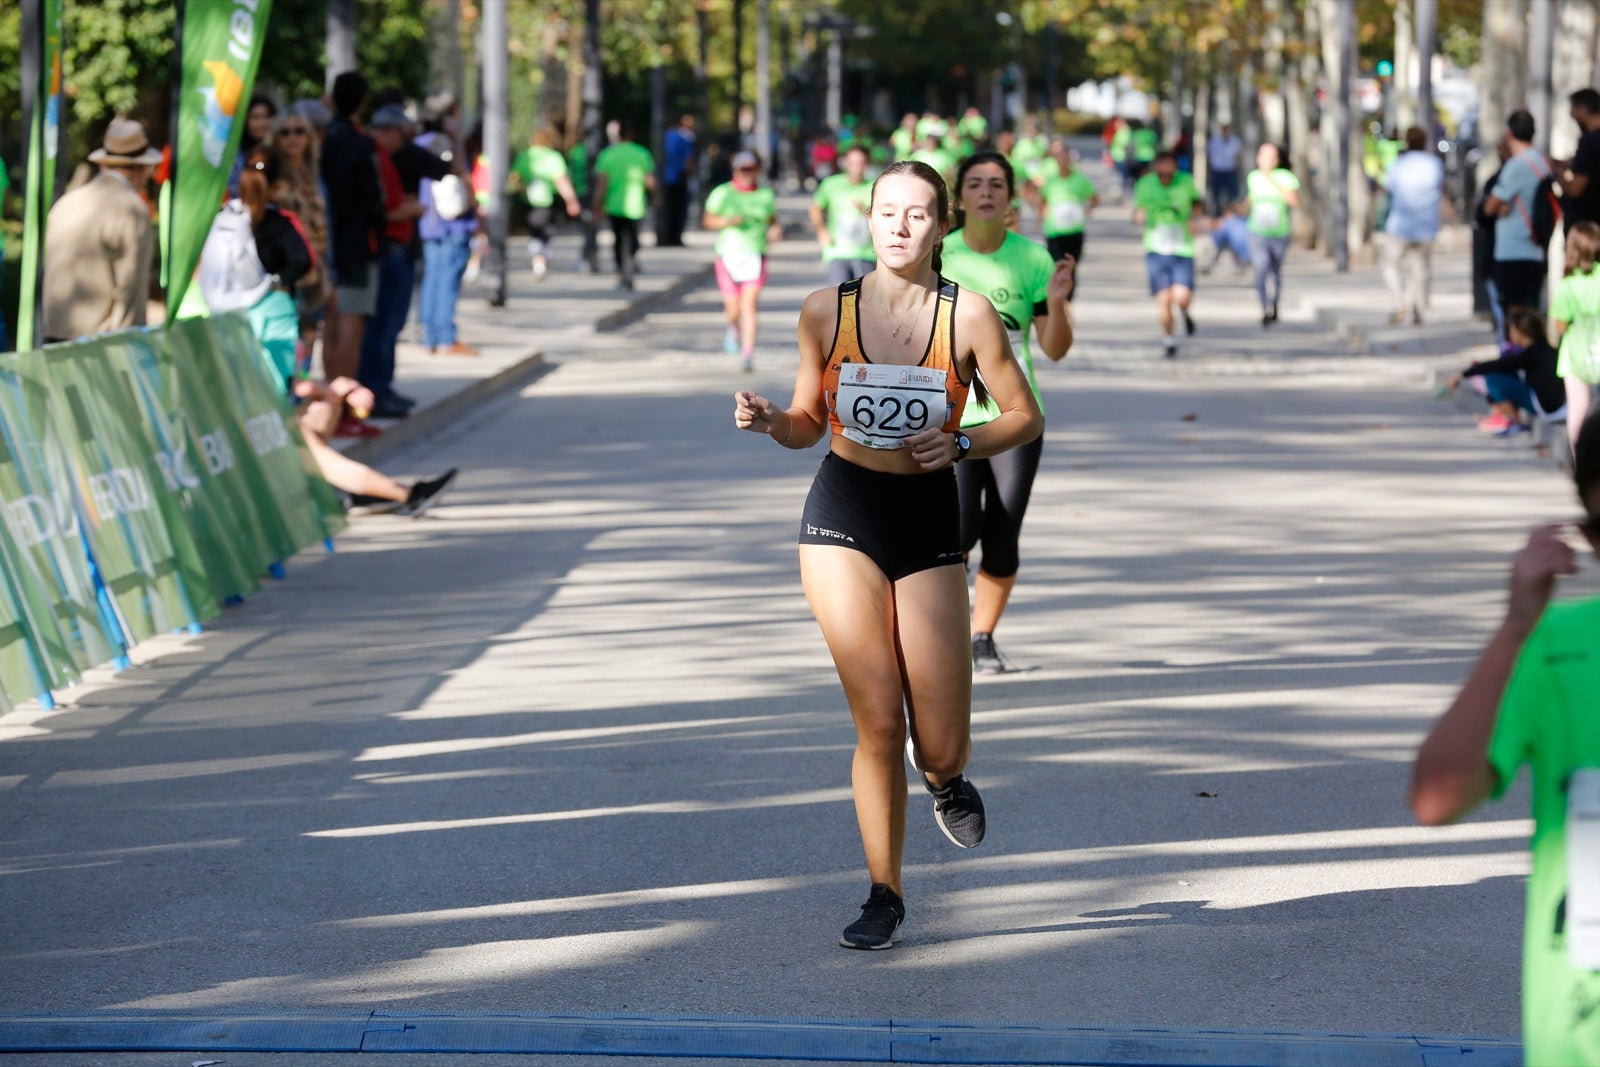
1575, 307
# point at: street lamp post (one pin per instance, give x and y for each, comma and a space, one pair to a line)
496, 136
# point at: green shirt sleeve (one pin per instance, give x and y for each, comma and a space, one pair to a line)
1563, 308
823, 193
717, 201
1511, 745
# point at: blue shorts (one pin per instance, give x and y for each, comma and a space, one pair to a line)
1168, 271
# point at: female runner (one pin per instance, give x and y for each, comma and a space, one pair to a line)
885, 365
1027, 287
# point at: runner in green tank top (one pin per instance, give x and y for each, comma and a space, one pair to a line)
1030, 291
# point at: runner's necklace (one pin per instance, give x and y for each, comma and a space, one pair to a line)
911, 331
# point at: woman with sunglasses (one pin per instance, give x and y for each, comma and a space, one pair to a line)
1030, 290
886, 362
742, 212
298, 189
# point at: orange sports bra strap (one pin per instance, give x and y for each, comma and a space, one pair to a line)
845, 341
944, 326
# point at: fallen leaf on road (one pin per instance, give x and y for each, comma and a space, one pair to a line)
1191, 417
1202, 793
1185, 440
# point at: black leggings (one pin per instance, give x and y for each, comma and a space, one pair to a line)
994, 497
626, 248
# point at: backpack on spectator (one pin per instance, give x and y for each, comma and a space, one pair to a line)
231, 275
451, 197
1546, 206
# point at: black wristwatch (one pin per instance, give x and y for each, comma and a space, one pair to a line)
963, 446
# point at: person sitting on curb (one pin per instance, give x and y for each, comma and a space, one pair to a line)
1523, 379
1530, 700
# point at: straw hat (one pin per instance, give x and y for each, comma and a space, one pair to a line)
126, 145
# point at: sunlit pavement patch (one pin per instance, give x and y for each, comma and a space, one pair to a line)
859, 1040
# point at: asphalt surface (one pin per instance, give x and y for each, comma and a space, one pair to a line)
573, 744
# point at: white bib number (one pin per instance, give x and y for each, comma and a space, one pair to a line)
1583, 869
743, 266
1168, 238
880, 405
850, 231
1266, 215
1066, 215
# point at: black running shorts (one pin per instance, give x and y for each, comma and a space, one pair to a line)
905, 523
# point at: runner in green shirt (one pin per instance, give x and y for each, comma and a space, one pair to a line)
1575, 307
1271, 192
1121, 142
541, 171
839, 216
1065, 200
1144, 143
904, 138
1168, 204
624, 180
936, 156
973, 126
1030, 291
743, 214
1531, 700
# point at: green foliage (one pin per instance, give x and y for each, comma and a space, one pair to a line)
942, 44
116, 51
391, 46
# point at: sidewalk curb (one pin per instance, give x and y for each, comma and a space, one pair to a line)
644, 305
403, 433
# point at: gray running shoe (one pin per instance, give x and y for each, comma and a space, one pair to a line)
879, 925
985, 657
958, 809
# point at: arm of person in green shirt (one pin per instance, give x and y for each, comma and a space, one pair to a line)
1452, 774
1197, 217
569, 195
598, 201
819, 223
1054, 328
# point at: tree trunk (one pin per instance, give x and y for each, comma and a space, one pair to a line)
1202, 135
496, 137
1427, 32
1274, 115
1541, 50
575, 59
764, 82
1573, 68
341, 46
1298, 76
1403, 112
1502, 75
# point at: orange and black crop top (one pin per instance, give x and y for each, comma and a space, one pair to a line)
879, 405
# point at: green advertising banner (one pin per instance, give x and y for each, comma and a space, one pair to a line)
299, 496
135, 525
221, 43
46, 561
44, 140
198, 455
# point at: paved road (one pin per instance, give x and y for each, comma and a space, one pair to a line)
574, 744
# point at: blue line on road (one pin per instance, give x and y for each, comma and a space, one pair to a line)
709, 1036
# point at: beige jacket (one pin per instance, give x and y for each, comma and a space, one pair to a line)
98, 247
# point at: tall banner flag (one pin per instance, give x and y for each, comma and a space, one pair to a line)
41, 90
221, 47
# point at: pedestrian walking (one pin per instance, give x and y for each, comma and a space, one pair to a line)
1415, 183
99, 241
1575, 308
680, 158
1272, 192
742, 213
1066, 197
1519, 255
838, 215
1580, 178
1223, 150
1029, 289
1166, 203
625, 181
1530, 700
541, 170
886, 362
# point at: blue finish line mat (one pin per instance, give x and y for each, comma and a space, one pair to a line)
711, 1036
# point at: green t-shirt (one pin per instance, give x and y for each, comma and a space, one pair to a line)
1576, 301
1066, 202
1547, 721
539, 168
1167, 209
1016, 279
903, 141
578, 167
844, 206
1119, 144
1269, 207
973, 127
1146, 143
626, 166
937, 158
754, 206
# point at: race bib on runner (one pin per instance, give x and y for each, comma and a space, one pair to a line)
851, 229
1168, 238
1066, 215
743, 266
1266, 215
1583, 868
879, 405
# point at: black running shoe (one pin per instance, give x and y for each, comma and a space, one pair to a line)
958, 809
1169, 349
879, 925
1188, 322
985, 657
426, 494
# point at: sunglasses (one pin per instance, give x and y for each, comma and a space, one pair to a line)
294, 132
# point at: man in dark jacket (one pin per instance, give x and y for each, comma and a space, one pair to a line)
355, 223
